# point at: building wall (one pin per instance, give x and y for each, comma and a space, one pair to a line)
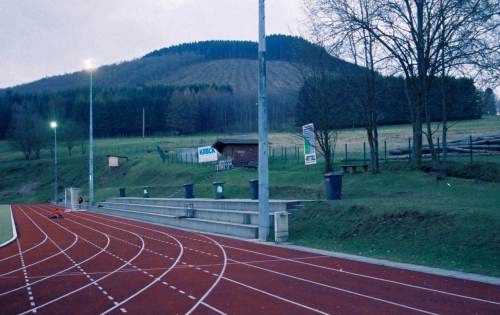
242, 154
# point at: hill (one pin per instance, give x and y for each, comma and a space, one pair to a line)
399, 214
227, 62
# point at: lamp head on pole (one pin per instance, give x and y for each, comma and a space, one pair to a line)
89, 65
53, 124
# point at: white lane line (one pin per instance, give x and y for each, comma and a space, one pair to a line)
183, 263
28, 249
211, 240
101, 278
75, 264
336, 288
54, 274
44, 259
275, 296
366, 276
23, 266
218, 311
181, 252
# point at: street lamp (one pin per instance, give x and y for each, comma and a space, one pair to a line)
90, 67
53, 125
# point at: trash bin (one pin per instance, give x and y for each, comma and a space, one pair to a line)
333, 186
121, 192
218, 190
188, 191
254, 189
145, 192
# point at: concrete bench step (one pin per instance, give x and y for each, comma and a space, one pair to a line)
202, 225
234, 216
206, 203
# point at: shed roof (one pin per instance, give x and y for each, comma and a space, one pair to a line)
221, 143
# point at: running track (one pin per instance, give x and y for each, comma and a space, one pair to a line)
94, 264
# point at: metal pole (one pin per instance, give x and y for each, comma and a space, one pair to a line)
55, 165
263, 143
91, 148
385, 150
143, 123
470, 146
364, 153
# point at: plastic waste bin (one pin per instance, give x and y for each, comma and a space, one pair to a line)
218, 190
188, 191
121, 192
254, 189
333, 186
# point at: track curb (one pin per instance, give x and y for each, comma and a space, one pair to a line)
405, 266
376, 261
14, 230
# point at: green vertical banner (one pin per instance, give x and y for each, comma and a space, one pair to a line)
309, 144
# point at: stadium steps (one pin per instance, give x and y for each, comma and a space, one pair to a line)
202, 225
235, 217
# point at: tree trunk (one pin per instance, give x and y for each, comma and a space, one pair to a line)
416, 152
445, 133
328, 161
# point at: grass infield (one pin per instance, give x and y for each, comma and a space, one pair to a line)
5, 223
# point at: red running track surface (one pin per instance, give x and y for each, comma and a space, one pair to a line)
90, 263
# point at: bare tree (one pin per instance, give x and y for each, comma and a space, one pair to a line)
72, 132
28, 132
322, 101
419, 38
358, 45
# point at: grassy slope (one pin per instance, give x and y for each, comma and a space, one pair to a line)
5, 223
398, 214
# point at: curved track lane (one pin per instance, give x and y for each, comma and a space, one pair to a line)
97, 264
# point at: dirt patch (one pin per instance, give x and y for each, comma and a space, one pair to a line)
28, 188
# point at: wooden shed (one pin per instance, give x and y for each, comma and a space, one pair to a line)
243, 152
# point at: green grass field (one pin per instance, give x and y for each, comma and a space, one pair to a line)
5, 223
398, 214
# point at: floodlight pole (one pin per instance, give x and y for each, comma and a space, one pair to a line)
55, 165
263, 131
91, 147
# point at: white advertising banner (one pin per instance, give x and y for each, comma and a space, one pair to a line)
207, 154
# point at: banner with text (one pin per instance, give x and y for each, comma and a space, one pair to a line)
309, 144
207, 154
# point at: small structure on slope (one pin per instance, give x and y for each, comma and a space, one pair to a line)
242, 152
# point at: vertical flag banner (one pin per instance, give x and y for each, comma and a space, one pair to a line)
309, 144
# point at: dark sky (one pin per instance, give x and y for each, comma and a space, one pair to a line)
46, 37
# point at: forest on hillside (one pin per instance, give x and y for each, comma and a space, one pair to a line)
202, 108
217, 106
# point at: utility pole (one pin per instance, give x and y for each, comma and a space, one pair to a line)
143, 123
263, 131
89, 66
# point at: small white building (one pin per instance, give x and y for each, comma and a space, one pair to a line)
114, 160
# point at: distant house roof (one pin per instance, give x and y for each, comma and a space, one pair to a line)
221, 143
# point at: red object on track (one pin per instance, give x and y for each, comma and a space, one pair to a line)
56, 214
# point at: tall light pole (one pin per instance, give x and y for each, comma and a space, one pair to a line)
53, 125
263, 131
89, 66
